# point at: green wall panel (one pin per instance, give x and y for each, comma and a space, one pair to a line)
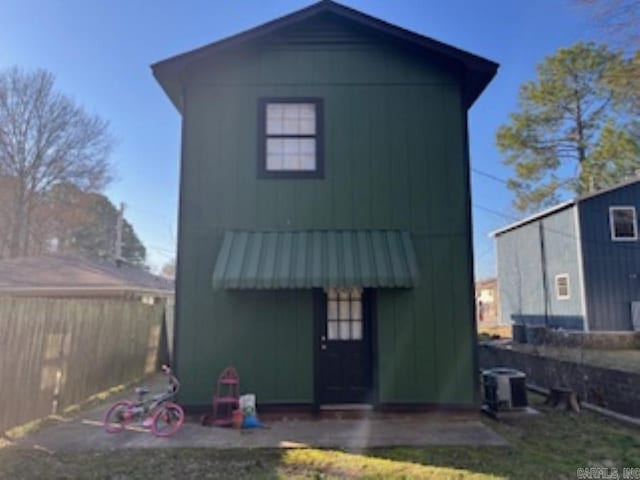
394, 158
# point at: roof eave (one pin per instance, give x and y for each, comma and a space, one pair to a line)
482, 70
86, 290
534, 217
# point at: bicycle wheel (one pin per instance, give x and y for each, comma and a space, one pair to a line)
167, 420
118, 416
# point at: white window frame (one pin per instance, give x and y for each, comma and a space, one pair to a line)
568, 295
612, 223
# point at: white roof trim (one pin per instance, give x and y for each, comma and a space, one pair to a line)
563, 205
531, 218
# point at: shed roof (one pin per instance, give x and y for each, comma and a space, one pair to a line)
562, 206
477, 71
72, 273
315, 259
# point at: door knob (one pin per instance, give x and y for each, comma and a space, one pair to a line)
323, 346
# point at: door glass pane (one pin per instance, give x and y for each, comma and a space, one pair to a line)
332, 294
332, 310
343, 293
356, 310
332, 330
344, 313
356, 293
345, 334
356, 330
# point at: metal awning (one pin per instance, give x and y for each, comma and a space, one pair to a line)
315, 258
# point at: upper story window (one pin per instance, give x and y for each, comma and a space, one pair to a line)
622, 221
290, 139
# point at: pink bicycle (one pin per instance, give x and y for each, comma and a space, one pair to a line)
165, 416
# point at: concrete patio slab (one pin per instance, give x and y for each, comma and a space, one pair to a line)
85, 432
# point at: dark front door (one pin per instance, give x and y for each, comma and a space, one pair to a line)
343, 326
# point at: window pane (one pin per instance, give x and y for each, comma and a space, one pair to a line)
274, 110
307, 162
291, 119
344, 313
290, 162
291, 126
624, 223
345, 334
356, 293
274, 162
291, 110
307, 110
291, 154
275, 146
332, 330
332, 294
291, 145
275, 126
307, 126
356, 330
332, 310
307, 145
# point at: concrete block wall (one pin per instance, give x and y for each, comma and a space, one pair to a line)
613, 389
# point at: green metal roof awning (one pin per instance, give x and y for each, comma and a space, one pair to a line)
316, 258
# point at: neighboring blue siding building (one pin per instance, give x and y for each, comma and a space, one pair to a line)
574, 266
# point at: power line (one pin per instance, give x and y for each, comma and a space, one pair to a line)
489, 175
496, 212
160, 249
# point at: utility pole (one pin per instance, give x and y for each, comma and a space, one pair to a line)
119, 233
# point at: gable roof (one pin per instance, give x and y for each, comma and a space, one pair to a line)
478, 71
562, 206
71, 273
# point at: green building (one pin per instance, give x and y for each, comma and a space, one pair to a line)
325, 227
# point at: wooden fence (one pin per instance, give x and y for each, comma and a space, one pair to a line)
55, 353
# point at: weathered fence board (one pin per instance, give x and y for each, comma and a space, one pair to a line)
54, 353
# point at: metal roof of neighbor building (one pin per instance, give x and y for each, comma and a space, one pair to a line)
71, 273
315, 259
563, 205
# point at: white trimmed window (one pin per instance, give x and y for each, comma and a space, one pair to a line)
562, 286
623, 223
291, 140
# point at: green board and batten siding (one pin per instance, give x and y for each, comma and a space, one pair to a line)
394, 160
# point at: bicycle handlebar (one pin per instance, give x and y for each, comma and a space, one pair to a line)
173, 380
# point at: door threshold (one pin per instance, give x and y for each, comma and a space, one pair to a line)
352, 407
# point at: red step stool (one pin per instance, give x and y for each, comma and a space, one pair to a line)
226, 399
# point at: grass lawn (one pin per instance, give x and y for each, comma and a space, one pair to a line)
548, 446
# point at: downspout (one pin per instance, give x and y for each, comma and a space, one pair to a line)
545, 284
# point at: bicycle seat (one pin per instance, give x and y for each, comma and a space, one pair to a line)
142, 390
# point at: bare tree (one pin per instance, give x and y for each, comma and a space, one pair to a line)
619, 21
46, 139
169, 269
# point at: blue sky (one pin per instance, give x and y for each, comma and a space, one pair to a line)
100, 53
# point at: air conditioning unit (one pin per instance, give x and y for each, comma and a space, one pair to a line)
504, 389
